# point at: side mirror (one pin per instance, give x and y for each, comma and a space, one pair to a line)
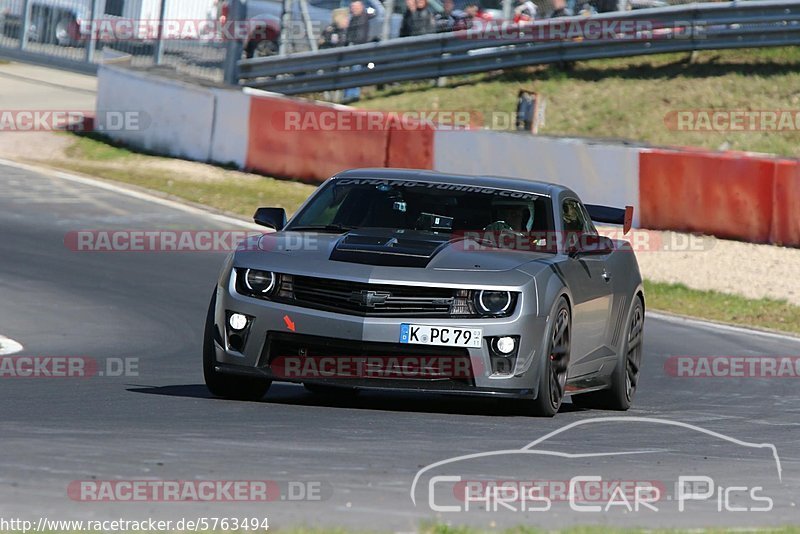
590, 244
271, 217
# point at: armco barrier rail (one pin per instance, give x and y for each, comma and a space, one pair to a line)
682, 28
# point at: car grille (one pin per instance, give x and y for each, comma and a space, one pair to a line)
368, 361
374, 300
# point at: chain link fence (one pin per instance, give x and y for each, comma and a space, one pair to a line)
184, 34
195, 36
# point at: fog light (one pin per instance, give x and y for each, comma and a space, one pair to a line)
239, 321
505, 345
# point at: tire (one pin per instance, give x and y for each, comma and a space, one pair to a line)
332, 391
625, 377
222, 385
553, 378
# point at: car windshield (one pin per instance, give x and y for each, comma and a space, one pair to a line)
347, 204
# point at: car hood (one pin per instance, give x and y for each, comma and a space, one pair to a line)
391, 248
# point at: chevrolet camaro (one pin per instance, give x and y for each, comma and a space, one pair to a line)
396, 279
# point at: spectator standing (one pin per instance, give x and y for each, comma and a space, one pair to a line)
336, 33
422, 21
450, 19
560, 9
525, 10
405, 25
358, 27
357, 33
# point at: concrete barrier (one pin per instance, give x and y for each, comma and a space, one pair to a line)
600, 174
176, 118
731, 195
714, 193
786, 204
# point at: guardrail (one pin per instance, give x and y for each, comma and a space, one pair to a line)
706, 26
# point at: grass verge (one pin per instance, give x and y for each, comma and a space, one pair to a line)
762, 313
630, 98
221, 189
241, 193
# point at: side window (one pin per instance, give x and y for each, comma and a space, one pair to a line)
574, 217
590, 229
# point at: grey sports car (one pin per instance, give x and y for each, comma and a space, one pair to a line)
416, 280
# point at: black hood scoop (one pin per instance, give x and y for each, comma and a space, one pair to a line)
396, 248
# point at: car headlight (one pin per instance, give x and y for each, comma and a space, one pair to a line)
255, 283
492, 302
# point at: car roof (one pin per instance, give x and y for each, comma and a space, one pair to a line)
495, 182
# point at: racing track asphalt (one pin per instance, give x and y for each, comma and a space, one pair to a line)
162, 424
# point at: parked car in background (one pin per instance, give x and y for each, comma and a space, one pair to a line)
122, 23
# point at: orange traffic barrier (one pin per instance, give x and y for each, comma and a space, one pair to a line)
786, 207
304, 140
713, 193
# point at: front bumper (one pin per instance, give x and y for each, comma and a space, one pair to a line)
280, 325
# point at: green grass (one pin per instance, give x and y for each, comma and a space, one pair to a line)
629, 98
443, 529
439, 528
761, 313
223, 190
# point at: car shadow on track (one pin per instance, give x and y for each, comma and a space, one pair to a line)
401, 401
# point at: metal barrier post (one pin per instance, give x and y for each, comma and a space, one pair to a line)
158, 51
286, 19
25, 25
233, 49
312, 39
388, 10
91, 44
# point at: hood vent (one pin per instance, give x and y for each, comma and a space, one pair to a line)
396, 248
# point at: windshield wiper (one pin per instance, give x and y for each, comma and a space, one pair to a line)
333, 228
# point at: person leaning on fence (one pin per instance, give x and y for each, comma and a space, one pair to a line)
358, 28
336, 33
422, 21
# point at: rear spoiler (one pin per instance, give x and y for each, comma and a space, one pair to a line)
606, 214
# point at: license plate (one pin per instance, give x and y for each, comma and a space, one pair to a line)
446, 336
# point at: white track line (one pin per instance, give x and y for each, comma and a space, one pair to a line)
132, 193
234, 221
8, 346
712, 325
